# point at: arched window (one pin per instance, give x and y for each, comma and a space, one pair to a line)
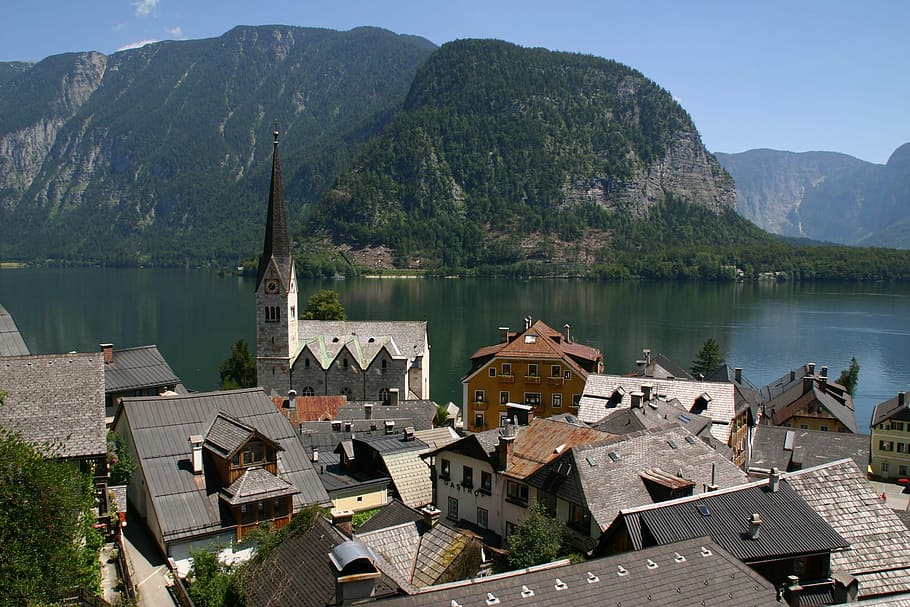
307, 391
385, 364
306, 363
344, 363
384, 395
272, 314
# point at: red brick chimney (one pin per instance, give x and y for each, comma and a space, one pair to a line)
108, 351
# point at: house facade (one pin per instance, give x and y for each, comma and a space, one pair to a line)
361, 360
539, 367
890, 446
807, 400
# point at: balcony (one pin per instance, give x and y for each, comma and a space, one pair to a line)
555, 381
480, 405
532, 379
505, 379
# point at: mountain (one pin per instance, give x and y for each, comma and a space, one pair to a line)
160, 154
825, 196
503, 154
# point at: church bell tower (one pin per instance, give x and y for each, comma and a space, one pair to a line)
276, 294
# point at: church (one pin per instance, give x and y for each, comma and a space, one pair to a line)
363, 360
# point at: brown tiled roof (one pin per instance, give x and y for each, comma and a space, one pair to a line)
543, 440
310, 408
547, 343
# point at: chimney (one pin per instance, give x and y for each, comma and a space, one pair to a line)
738, 375
354, 566
503, 334
823, 383
774, 480
196, 443
108, 351
792, 591
527, 322
292, 399
811, 367
646, 392
389, 426
343, 521
824, 372
754, 525
901, 399
431, 515
567, 332
506, 445
636, 399
807, 384
713, 486
315, 457
393, 397
647, 353
792, 375
408, 433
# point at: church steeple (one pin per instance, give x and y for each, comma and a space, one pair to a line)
277, 244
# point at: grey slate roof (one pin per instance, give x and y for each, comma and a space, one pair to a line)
161, 426
605, 484
596, 403
133, 368
324, 339
418, 414
257, 484
809, 448
891, 409
879, 553
684, 575
226, 435
11, 342
391, 515
655, 414
56, 400
790, 526
834, 397
296, 572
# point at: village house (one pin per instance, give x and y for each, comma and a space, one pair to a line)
56, 402
891, 438
603, 394
765, 524
808, 400
361, 360
482, 479
213, 466
539, 367
789, 449
747, 410
587, 485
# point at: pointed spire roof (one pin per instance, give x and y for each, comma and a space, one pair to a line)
277, 244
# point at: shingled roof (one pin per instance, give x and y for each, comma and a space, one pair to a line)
324, 339
693, 572
607, 476
716, 400
791, 448
879, 552
57, 401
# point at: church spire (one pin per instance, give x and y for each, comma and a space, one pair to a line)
277, 244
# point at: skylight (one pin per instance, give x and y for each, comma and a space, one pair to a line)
530, 339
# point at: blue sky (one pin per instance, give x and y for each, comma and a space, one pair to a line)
790, 75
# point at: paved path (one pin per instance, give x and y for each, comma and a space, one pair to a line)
894, 495
147, 565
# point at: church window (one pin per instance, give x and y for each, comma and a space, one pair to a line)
346, 391
306, 363
384, 395
385, 363
307, 391
344, 363
272, 314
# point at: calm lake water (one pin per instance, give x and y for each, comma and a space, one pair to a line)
194, 316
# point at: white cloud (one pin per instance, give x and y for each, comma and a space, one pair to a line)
175, 32
138, 44
145, 7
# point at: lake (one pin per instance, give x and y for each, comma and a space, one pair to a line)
767, 329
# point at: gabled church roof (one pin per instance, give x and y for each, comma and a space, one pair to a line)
277, 243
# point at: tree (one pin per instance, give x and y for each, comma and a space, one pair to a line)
442, 416
212, 583
849, 377
324, 305
238, 371
537, 539
708, 360
48, 545
120, 464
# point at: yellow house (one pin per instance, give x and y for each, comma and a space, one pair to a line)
890, 452
539, 367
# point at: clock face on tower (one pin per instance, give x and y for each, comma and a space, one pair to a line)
271, 286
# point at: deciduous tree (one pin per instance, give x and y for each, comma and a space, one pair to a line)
324, 305
537, 539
